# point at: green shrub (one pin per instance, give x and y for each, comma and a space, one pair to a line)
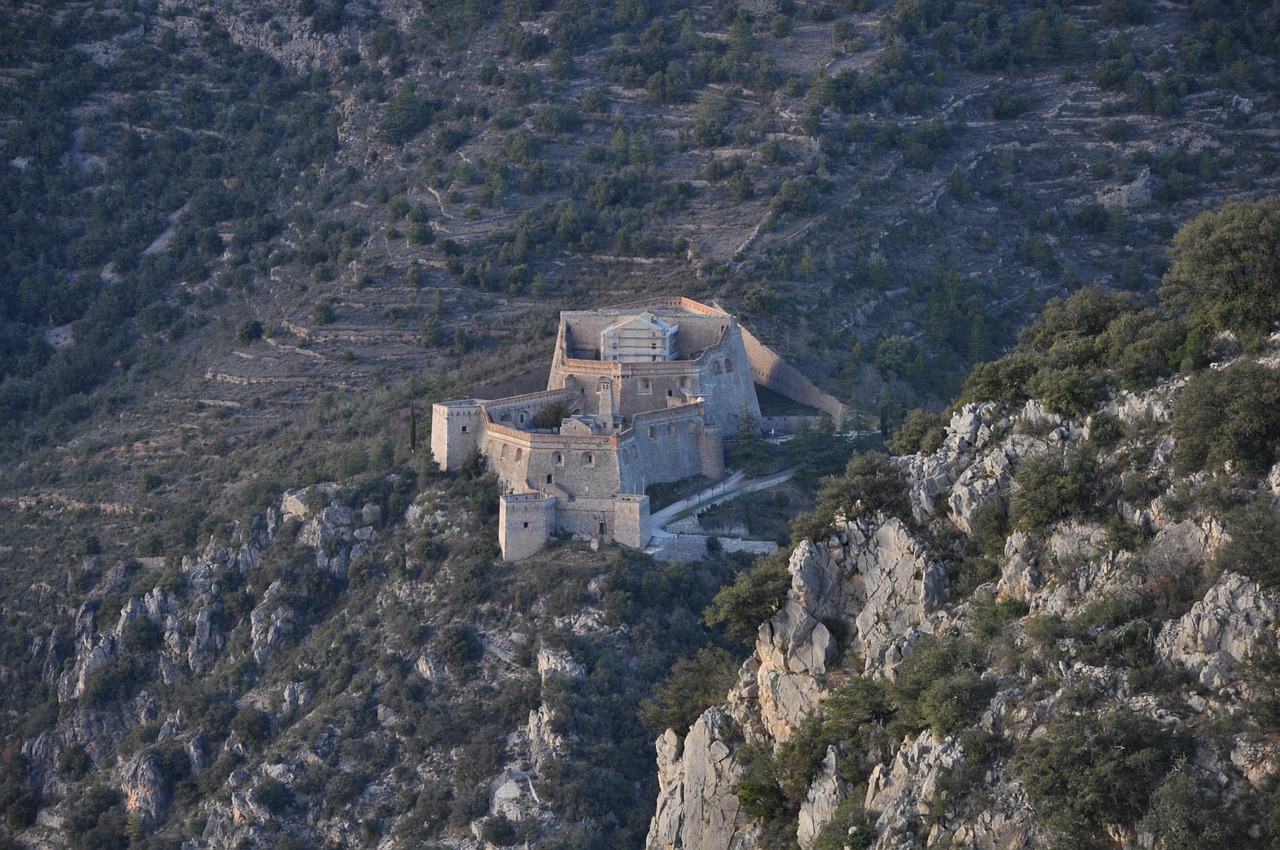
922, 432
693, 685
939, 687
988, 619
870, 483
252, 726
1088, 772
458, 646
1226, 269
753, 598
1181, 815
848, 829
1004, 381
1253, 547
1231, 414
1050, 487
1066, 391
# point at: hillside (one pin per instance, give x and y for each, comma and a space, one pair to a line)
247, 245
1054, 626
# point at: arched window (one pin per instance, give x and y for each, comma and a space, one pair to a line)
728, 365
588, 459
503, 453
715, 367
559, 458
653, 432
522, 418
684, 382
519, 454
671, 429
602, 385
506, 417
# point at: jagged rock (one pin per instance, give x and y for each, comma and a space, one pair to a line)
557, 662
1221, 630
931, 477
296, 695
92, 650
974, 490
294, 504
270, 624
431, 668
903, 791
826, 793
544, 743
697, 803
1019, 575
512, 794
143, 787
1257, 760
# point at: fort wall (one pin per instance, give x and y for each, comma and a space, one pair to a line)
666, 445
525, 523
770, 370
583, 465
457, 427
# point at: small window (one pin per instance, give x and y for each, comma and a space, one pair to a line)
464, 429
503, 453
588, 459
519, 453
521, 418
646, 386
526, 525
728, 365
671, 430
670, 393
549, 480
653, 432
715, 367
559, 458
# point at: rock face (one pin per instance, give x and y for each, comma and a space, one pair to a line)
1233, 621
825, 795
871, 582
697, 801
867, 591
860, 599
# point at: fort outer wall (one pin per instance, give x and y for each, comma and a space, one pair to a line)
772, 372
721, 375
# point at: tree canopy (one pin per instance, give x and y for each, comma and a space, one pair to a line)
1226, 269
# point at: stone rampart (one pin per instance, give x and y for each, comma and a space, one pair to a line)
770, 370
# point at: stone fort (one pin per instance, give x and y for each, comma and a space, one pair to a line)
644, 393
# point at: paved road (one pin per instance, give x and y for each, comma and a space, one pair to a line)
733, 486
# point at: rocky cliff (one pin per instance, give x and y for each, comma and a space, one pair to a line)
1120, 607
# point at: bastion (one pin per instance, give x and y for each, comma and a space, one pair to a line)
645, 394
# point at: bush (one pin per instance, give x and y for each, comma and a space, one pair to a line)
1226, 269
922, 432
870, 483
752, 598
458, 646
1230, 414
1088, 772
1253, 547
1051, 487
1003, 381
939, 687
694, 685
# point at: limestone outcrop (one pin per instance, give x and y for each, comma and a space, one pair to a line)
861, 599
1234, 620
